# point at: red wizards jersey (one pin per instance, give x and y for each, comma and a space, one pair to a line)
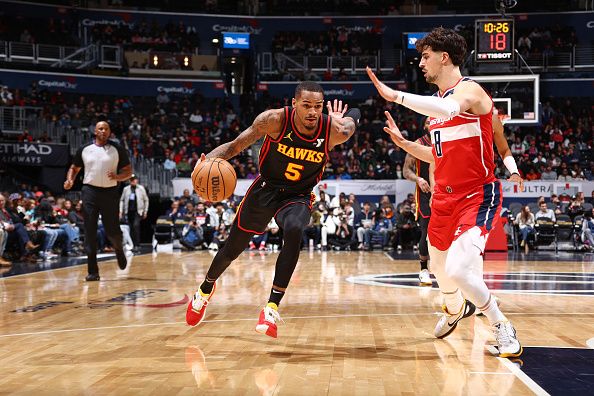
462, 149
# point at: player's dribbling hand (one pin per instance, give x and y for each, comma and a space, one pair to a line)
518, 180
68, 184
386, 92
337, 110
393, 130
201, 159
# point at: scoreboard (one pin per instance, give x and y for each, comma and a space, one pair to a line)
494, 40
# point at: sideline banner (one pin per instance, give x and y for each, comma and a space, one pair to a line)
398, 189
103, 85
34, 154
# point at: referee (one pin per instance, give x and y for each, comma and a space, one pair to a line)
105, 163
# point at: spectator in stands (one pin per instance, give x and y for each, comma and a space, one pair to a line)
525, 222
549, 174
380, 229
162, 97
565, 175
407, 229
363, 222
3, 239
313, 231
575, 208
588, 230
192, 235
544, 211
174, 212
220, 237
12, 224
134, 206
342, 239
221, 216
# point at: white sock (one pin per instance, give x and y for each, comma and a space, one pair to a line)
492, 312
453, 301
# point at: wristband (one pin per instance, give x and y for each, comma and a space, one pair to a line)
510, 164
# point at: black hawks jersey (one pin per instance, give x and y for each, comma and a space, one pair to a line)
293, 161
422, 198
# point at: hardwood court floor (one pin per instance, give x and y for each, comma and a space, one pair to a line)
127, 334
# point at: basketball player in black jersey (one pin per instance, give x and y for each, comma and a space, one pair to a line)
418, 171
297, 140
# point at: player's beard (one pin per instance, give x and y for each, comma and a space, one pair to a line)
431, 79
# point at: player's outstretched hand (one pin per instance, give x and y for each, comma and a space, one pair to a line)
386, 92
393, 130
337, 110
518, 180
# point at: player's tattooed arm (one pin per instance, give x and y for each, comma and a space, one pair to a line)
409, 170
268, 122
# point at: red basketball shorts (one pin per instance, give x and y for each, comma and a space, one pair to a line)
452, 214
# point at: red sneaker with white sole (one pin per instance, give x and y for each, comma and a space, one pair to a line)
197, 307
267, 322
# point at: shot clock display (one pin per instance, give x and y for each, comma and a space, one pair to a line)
494, 40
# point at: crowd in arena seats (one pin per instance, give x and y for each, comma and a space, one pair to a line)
36, 224
39, 30
175, 130
545, 40
336, 41
145, 35
339, 223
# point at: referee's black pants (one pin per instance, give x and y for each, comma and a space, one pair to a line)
104, 201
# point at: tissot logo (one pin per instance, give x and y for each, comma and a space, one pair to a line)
555, 283
590, 24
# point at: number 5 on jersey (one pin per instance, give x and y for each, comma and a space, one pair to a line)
293, 171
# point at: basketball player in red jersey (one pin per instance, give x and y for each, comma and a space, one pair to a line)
297, 140
467, 197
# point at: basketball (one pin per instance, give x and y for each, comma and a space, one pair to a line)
214, 179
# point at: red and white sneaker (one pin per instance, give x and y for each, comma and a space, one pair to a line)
197, 307
267, 322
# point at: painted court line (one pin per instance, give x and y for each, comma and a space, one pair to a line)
286, 318
206, 321
529, 382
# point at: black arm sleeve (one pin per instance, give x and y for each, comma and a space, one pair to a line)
355, 114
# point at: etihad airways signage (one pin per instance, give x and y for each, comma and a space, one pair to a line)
34, 154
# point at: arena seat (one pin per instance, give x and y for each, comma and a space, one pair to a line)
545, 232
565, 230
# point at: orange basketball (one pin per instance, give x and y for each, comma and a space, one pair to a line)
214, 179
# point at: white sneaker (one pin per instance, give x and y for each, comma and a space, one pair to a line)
507, 342
448, 322
425, 278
